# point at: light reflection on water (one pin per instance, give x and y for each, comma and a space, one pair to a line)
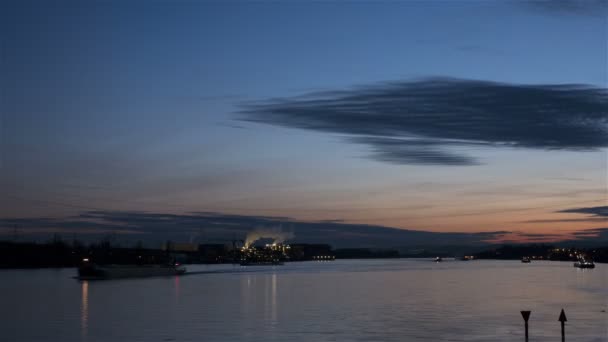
273, 305
84, 311
357, 300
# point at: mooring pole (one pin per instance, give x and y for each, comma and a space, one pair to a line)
526, 316
562, 318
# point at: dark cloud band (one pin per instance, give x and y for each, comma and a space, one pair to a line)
430, 121
218, 227
224, 227
594, 211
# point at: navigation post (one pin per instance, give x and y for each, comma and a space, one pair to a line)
526, 316
562, 318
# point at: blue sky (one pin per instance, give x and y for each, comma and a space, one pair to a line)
132, 105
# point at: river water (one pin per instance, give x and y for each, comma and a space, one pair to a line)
343, 300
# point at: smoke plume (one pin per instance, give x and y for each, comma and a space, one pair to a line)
275, 233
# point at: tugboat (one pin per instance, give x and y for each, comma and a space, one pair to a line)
90, 271
584, 263
525, 260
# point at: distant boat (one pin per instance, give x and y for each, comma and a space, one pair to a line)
89, 270
584, 263
525, 260
438, 259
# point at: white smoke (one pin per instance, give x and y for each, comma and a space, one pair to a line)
275, 233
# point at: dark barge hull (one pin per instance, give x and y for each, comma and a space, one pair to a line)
91, 272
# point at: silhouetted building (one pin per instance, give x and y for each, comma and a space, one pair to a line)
304, 251
212, 253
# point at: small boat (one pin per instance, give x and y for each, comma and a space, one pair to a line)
91, 271
525, 260
438, 259
584, 263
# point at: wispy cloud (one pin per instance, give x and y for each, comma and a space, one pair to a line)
595, 211
589, 219
579, 7
413, 151
592, 235
430, 121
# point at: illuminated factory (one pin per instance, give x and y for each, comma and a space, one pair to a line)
270, 254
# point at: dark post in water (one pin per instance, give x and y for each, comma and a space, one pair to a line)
562, 318
526, 316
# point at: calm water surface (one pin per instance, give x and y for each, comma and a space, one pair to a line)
355, 300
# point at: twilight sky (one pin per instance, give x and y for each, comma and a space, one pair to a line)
452, 117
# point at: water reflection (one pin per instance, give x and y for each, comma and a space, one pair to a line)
176, 283
259, 297
273, 300
358, 300
245, 297
84, 309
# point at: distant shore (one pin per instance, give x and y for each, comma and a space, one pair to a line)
59, 254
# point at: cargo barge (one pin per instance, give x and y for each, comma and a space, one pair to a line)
91, 271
